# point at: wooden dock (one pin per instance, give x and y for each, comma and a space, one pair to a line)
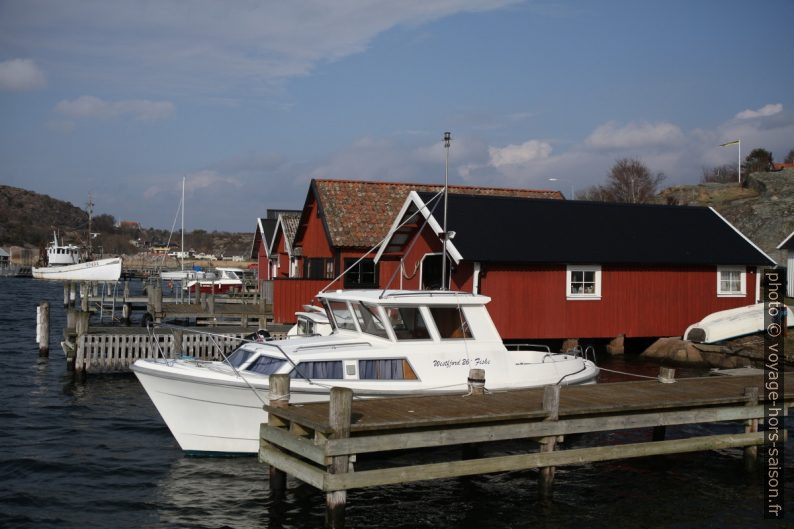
315, 442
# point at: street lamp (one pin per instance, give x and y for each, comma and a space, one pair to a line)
739, 143
569, 181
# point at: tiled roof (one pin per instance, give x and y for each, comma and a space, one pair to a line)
290, 222
358, 213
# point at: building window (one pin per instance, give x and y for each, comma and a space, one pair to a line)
583, 282
318, 268
731, 281
363, 275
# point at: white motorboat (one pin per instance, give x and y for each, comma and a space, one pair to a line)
384, 343
99, 270
224, 280
312, 321
731, 323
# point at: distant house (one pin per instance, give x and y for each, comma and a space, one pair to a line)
263, 235
781, 166
283, 258
340, 222
129, 224
5, 259
788, 246
574, 269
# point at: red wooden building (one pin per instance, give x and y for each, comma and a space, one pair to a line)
574, 269
263, 236
341, 222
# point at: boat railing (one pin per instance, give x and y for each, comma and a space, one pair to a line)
588, 353
528, 347
331, 346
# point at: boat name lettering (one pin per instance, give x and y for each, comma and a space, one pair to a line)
462, 362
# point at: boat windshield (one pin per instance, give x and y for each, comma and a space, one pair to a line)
369, 320
408, 323
341, 315
239, 357
266, 365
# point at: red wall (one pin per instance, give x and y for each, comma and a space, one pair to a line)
262, 262
289, 295
314, 241
529, 302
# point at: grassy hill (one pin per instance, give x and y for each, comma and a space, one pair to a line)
28, 219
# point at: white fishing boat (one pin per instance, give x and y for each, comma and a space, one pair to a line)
384, 343
732, 323
64, 264
223, 280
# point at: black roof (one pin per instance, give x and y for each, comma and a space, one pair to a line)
508, 229
788, 243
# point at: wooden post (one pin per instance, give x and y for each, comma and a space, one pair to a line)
84, 297
751, 452
339, 414
126, 312
81, 322
126, 290
66, 290
666, 375
72, 294
43, 328
551, 405
158, 301
176, 350
476, 387
278, 397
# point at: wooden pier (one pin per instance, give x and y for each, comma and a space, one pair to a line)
314, 442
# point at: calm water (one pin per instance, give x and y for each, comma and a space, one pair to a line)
96, 454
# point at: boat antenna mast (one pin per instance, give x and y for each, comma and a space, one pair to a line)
90, 207
447, 140
182, 207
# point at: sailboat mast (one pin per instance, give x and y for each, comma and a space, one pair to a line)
182, 255
90, 206
447, 139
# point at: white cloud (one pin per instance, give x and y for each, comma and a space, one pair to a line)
764, 111
612, 136
20, 75
94, 107
522, 154
210, 47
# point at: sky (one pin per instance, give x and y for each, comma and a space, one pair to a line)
250, 100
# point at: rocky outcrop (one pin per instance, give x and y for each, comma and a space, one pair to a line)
739, 352
763, 210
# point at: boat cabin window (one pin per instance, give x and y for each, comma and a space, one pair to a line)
266, 365
239, 357
392, 369
305, 327
407, 323
368, 320
324, 370
341, 315
450, 322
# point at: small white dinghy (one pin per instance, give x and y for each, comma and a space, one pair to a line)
732, 323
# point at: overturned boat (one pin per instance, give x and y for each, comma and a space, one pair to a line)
384, 343
732, 323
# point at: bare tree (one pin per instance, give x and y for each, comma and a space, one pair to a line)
595, 193
789, 157
722, 174
631, 181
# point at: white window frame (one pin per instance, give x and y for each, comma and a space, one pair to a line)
583, 268
742, 282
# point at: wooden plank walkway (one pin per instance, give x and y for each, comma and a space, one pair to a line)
314, 442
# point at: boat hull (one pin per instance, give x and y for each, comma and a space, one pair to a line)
100, 270
207, 416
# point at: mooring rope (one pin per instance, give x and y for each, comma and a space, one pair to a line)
660, 378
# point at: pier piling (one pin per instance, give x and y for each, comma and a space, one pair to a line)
751, 426
667, 375
339, 416
551, 405
278, 396
43, 328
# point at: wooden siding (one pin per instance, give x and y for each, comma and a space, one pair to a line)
289, 295
313, 238
530, 301
262, 262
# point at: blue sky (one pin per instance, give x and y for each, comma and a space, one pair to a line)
250, 100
